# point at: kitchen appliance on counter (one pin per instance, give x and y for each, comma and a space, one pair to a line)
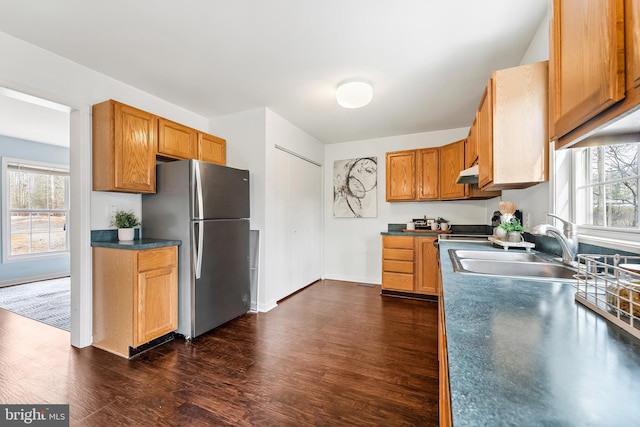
421, 223
207, 207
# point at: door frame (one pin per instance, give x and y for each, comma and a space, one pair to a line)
81, 334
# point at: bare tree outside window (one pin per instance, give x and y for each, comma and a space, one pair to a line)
38, 209
611, 186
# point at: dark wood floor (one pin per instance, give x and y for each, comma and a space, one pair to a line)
336, 353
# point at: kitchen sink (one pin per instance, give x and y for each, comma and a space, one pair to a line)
499, 256
465, 237
509, 264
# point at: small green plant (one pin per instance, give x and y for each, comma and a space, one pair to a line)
513, 225
125, 219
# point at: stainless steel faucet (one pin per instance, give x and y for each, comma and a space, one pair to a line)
568, 241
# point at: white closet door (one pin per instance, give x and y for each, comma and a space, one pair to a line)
310, 231
300, 222
280, 244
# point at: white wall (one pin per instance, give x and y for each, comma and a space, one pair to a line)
352, 246
36, 71
538, 49
27, 68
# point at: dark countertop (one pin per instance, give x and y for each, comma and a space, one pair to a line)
109, 239
524, 353
397, 230
410, 233
136, 245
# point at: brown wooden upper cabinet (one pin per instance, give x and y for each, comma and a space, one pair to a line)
471, 152
401, 176
430, 174
212, 149
427, 173
451, 163
127, 140
484, 136
512, 128
413, 175
177, 141
181, 142
594, 65
124, 148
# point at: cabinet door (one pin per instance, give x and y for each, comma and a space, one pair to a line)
587, 60
156, 294
134, 150
427, 266
177, 141
401, 176
471, 153
157, 311
632, 42
451, 163
428, 173
520, 135
484, 135
212, 149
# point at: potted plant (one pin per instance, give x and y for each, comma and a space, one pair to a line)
125, 221
511, 229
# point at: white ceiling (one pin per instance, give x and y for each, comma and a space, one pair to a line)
428, 60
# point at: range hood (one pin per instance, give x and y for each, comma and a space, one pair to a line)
468, 176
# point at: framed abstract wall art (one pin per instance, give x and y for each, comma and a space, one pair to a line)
355, 188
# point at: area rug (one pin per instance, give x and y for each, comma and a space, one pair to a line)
48, 301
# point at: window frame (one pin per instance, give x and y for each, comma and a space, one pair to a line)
6, 219
624, 239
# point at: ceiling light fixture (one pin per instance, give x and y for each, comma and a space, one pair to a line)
354, 93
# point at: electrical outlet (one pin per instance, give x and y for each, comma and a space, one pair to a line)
111, 211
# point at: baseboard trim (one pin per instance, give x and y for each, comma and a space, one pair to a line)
409, 295
23, 280
134, 351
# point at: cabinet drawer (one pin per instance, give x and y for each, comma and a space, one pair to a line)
398, 254
156, 258
401, 242
397, 266
398, 281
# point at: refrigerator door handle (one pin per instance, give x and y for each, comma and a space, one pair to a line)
199, 190
197, 247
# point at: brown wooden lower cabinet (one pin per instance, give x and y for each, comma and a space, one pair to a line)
409, 264
444, 398
135, 297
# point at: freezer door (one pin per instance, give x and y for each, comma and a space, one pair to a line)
222, 283
220, 192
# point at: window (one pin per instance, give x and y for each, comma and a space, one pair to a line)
604, 195
35, 209
607, 186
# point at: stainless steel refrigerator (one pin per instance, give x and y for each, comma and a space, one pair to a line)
207, 207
